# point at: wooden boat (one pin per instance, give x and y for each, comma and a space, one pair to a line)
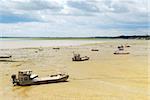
5, 56
121, 47
128, 46
121, 53
94, 50
26, 77
56, 48
78, 58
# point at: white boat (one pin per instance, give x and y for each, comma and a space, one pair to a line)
26, 77
77, 57
121, 52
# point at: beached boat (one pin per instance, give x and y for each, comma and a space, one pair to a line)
94, 50
78, 58
56, 48
127, 46
5, 56
25, 77
121, 52
121, 47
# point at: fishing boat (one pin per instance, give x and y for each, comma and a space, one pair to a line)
77, 57
5, 56
25, 77
94, 50
56, 48
121, 47
127, 46
121, 52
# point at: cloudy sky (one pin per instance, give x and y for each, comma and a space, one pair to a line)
60, 18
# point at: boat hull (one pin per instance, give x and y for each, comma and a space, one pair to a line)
121, 53
38, 82
82, 59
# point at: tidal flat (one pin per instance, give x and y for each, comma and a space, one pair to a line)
104, 77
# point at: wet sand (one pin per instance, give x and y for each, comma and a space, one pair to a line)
104, 77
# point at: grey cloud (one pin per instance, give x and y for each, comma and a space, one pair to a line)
86, 13
83, 5
100, 6
26, 11
105, 6
39, 5
32, 5
118, 8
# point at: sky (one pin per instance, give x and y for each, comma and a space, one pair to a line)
73, 18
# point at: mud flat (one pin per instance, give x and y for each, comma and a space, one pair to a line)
104, 77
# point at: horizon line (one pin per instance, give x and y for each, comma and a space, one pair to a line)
76, 37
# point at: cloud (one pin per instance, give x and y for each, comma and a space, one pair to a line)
73, 17
26, 10
83, 5
101, 6
31, 4
38, 5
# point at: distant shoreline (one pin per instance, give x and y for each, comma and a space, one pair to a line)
9, 43
144, 37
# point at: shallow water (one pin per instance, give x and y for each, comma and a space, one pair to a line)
28, 43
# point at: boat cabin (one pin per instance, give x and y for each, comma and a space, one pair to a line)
77, 57
121, 47
25, 76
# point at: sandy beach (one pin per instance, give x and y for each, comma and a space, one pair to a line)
104, 77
